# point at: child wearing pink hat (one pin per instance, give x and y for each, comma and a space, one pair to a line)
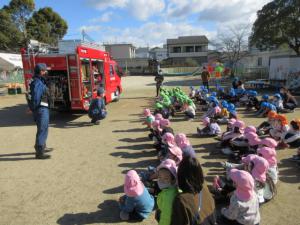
137, 203
166, 181
244, 205
175, 154
211, 128
167, 142
166, 126
184, 144
149, 118
158, 116
264, 185
270, 155
155, 134
268, 142
247, 143
237, 132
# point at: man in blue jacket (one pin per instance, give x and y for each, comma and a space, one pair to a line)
97, 110
38, 102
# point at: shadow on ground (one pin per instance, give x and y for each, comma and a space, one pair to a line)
18, 115
108, 213
289, 172
17, 157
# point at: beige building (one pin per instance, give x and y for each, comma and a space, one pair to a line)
193, 47
121, 51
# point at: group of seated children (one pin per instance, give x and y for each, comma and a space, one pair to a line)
175, 189
171, 101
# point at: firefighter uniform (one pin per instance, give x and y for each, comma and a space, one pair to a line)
97, 110
38, 100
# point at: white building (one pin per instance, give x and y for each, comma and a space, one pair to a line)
194, 47
159, 54
258, 58
121, 51
142, 52
10, 62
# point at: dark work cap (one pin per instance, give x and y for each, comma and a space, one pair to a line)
40, 67
100, 91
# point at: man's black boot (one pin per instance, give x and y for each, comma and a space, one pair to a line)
40, 153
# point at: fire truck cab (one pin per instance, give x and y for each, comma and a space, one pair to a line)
75, 71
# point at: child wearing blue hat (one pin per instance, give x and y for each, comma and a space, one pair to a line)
253, 101
277, 101
213, 108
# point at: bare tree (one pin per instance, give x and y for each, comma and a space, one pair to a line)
232, 43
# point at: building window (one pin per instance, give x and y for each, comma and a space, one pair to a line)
176, 49
259, 61
189, 48
198, 48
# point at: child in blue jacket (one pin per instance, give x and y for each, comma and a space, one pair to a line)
137, 203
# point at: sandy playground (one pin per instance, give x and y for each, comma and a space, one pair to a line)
84, 178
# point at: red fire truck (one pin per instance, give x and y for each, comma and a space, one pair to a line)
75, 71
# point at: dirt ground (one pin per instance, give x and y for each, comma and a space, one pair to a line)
84, 178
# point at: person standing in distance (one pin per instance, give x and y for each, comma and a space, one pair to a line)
205, 77
38, 102
159, 78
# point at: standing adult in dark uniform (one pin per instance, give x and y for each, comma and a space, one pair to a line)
38, 101
159, 78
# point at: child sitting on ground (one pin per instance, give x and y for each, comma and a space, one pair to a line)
149, 118
247, 143
244, 205
167, 141
264, 99
189, 109
266, 108
175, 154
238, 129
280, 127
289, 101
213, 108
266, 126
184, 144
166, 126
264, 185
192, 93
232, 111
167, 184
292, 137
211, 128
277, 101
270, 155
268, 142
258, 167
253, 101
137, 203
224, 114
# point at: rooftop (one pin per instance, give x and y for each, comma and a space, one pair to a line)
188, 40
